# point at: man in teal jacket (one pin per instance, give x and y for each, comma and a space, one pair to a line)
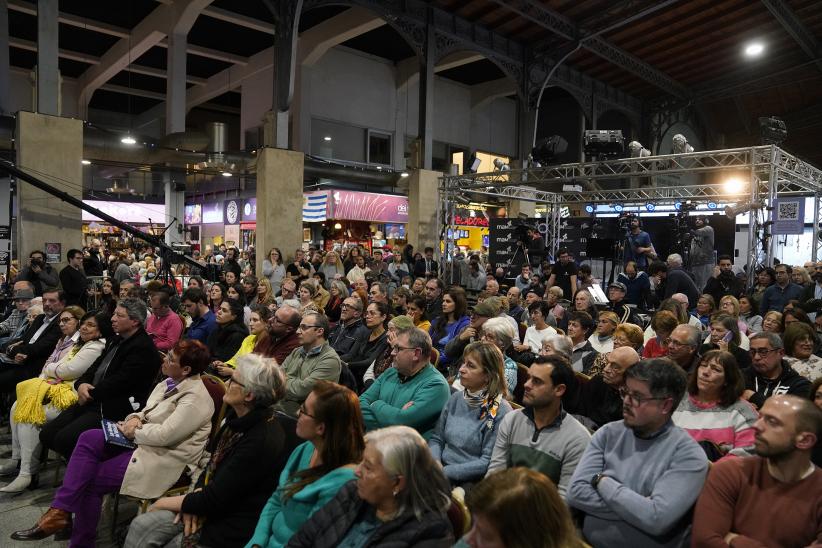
412, 392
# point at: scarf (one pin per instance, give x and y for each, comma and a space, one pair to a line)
32, 394
488, 407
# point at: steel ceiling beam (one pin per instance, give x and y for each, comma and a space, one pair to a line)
783, 13
557, 23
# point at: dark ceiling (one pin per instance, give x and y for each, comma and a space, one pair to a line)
693, 46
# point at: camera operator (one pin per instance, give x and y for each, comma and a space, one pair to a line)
39, 273
639, 247
702, 253
724, 281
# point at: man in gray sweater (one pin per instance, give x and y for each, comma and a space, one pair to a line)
639, 477
542, 436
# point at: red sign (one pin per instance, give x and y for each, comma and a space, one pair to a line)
470, 221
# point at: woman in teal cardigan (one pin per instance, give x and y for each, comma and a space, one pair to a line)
330, 421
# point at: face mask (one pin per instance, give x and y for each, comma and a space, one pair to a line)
149, 275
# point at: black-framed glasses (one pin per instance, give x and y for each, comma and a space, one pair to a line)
68, 320
761, 352
232, 380
303, 411
303, 327
636, 400
396, 349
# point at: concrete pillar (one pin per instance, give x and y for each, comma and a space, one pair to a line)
426, 124
423, 227
5, 68
301, 110
176, 83
175, 206
48, 74
400, 128
279, 202
53, 147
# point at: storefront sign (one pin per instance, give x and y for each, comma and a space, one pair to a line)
128, 212
470, 221
249, 210
232, 211
367, 206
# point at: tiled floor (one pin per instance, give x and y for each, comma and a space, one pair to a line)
22, 511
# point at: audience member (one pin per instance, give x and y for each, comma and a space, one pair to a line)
448, 326
683, 346
385, 360
399, 498
713, 412
330, 422
580, 325
776, 296
672, 279
258, 334
772, 499
467, 428
315, 360
15, 323
539, 329
748, 314
769, 374
246, 457
412, 393
542, 436
163, 326
637, 285
203, 321
370, 343
170, 435
723, 281
640, 476
800, 343
416, 310
231, 330
116, 385
39, 273
434, 289
73, 280
282, 336
725, 335
663, 324
602, 340
599, 399
349, 328
564, 273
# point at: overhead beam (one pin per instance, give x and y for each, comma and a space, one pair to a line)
783, 13
408, 70
230, 78
482, 94
557, 23
240, 20
28, 45
29, 8
316, 41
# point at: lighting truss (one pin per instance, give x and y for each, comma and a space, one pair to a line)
772, 171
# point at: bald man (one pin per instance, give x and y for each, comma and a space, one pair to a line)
755, 501
599, 399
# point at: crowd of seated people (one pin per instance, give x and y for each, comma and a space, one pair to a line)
359, 406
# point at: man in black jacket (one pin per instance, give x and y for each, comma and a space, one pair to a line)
673, 280
348, 329
117, 384
39, 273
769, 374
93, 262
724, 281
25, 356
73, 280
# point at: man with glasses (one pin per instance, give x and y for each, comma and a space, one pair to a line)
312, 361
769, 374
17, 319
349, 328
640, 476
73, 280
282, 333
412, 393
542, 435
683, 346
164, 326
778, 295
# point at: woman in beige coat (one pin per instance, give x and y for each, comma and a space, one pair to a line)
170, 434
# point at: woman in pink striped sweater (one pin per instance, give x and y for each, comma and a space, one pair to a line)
714, 413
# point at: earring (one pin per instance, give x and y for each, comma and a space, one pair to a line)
395, 492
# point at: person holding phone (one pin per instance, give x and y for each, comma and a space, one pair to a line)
725, 336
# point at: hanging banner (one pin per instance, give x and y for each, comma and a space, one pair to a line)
503, 250
788, 215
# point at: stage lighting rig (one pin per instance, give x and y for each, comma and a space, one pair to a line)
548, 148
772, 130
743, 207
636, 150
680, 144
604, 143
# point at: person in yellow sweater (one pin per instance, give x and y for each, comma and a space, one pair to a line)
257, 324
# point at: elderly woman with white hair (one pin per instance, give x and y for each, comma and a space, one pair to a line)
500, 332
247, 455
400, 498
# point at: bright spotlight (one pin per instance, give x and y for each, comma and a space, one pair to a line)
226, 174
711, 205
734, 185
404, 174
85, 162
754, 49
650, 207
128, 140
589, 208
618, 208
327, 138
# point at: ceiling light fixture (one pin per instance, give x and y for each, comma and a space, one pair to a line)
327, 138
404, 174
226, 174
128, 140
754, 49
85, 162
734, 185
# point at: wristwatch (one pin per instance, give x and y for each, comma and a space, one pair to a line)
595, 480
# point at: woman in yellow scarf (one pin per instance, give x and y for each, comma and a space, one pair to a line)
42, 398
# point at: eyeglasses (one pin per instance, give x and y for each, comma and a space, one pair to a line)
676, 343
67, 320
303, 327
634, 399
761, 352
396, 349
303, 411
349, 307
232, 380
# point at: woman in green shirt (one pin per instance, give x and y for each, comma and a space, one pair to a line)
330, 421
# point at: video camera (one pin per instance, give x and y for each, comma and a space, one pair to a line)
625, 219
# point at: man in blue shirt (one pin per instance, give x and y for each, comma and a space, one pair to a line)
638, 247
203, 320
778, 295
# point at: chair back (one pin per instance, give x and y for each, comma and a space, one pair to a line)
459, 517
216, 389
522, 329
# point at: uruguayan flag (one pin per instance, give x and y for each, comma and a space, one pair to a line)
315, 206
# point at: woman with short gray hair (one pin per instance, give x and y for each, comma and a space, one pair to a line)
500, 332
223, 505
400, 498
